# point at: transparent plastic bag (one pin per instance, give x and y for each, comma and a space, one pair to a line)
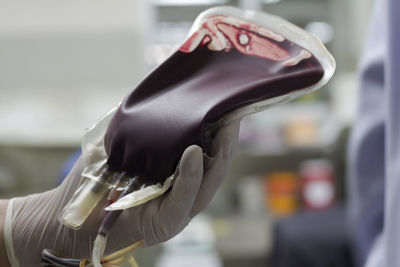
94, 186
219, 29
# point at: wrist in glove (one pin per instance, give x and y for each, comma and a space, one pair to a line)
33, 224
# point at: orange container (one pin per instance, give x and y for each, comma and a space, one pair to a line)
281, 193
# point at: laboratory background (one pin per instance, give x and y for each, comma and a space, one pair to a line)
63, 64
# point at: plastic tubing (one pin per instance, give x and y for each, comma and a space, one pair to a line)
108, 222
85, 200
112, 216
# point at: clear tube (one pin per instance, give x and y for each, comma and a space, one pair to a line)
84, 200
95, 176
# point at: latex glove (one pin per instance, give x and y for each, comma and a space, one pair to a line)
32, 225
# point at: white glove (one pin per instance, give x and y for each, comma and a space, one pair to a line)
32, 225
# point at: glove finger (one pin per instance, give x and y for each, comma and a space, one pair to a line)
172, 215
223, 149
187, 183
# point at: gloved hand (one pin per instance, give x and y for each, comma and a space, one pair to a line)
32, 222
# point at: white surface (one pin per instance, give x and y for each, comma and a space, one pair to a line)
64, 64
45, 119
43, 16
188, 2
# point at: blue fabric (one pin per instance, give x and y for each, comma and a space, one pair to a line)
367, 144
374, 174
311, 239
391, 232
68, 165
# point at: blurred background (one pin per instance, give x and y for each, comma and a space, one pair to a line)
63, 64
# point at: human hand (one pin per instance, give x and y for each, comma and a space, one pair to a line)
34, 225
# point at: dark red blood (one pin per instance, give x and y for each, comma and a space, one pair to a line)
174, 105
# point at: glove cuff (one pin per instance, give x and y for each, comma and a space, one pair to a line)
8, 239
